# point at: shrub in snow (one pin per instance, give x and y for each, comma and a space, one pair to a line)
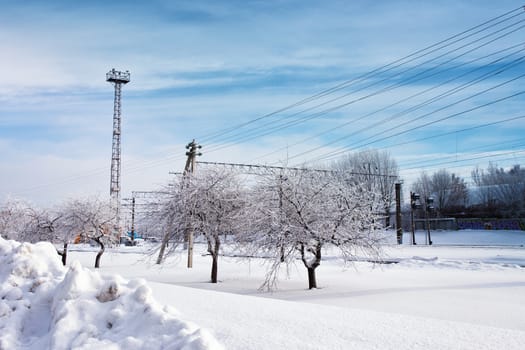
46, 306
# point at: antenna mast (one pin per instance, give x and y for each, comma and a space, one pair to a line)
117, 79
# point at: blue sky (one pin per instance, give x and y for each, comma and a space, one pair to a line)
198, 67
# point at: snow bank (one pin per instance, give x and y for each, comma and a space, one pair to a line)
46, 306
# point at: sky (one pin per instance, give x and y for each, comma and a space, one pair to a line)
236, 77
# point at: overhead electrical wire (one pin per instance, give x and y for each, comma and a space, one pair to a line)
454, 114
210, 136
339, 126
246, 135
264, 130
403, 143
449, 164
425, 103
426, 124
465, 152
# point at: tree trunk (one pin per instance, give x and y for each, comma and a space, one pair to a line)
214, 251
312, 282
100, 252
163, 246
165, 240
64, 254
312, 264
214, 267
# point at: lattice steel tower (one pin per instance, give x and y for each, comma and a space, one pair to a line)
118, 79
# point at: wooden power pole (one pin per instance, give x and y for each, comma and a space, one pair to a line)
133, 220
189, 169
399, 227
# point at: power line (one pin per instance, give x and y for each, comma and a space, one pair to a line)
368, 75
413, 108
455, 132
454, 164
438, 160
213, 135
272, 128
361, 144
399, 102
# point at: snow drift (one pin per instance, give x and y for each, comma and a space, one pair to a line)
44, 305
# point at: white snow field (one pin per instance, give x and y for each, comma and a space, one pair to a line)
429, 297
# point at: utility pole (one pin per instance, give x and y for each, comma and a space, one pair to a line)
399, 228
133, 221
189, 169
281, 219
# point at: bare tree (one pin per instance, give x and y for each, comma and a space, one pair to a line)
485, 191
501, 191
24, 222
93, 219
449, 191
14, 221
209, 204
43, 225
378, 170
294, 215
171, 219
213, 205
423, 185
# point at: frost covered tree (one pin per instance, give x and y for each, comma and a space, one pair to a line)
378, 170
14, 219
296, 215
48, 225
214, 204
24, 222
43, 225
209, 203
171, 219
92, 219
28, 223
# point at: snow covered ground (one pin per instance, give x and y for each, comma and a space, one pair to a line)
446, 296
